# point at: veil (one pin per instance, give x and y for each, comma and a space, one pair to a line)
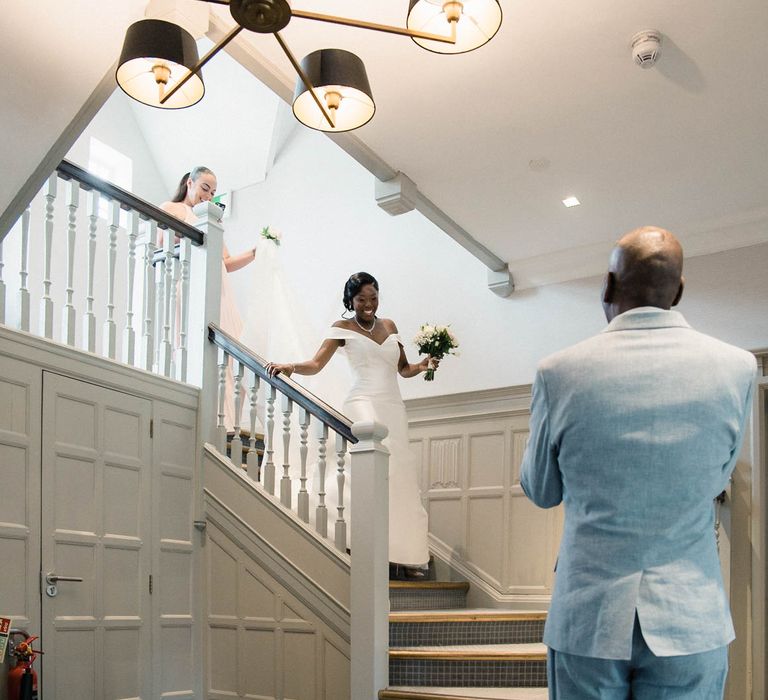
279, 328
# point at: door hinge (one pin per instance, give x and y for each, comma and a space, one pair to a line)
151, 427
150, 584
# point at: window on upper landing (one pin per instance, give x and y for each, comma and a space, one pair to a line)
110, 164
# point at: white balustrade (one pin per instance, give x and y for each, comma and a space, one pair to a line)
182, 353
285, 481
129, 333
69, 317
303, 498
148, 320
236, 446
168, 293
321, 511
46, 303
253, 457
89, 321
109, 347
221, 430
340, 535
23, 295
269, 449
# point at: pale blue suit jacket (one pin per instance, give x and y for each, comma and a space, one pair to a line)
636, 430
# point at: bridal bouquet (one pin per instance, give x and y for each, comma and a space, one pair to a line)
271, 235
437, 342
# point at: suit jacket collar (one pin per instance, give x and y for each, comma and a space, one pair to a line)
645, 317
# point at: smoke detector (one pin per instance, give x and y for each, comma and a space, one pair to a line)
646, 47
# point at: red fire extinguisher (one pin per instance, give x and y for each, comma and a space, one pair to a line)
22, 678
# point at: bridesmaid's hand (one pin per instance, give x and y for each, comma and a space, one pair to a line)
273, 368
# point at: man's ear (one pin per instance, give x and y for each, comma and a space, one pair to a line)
609, 287
679, 294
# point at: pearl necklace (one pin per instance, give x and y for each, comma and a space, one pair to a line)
362, 327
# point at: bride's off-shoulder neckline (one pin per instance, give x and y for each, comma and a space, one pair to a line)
362, 335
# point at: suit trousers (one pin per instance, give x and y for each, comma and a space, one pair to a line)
643, 677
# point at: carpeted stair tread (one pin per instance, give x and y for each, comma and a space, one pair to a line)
418, 693
430, 585
466, 615
474, 652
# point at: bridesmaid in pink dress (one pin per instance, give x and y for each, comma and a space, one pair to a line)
197, 186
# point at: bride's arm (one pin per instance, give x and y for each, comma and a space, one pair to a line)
235, 262
309, 367
407, 369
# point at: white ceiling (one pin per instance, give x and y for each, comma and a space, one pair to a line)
682, 145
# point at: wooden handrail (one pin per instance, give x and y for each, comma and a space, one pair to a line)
128, 201
297, 393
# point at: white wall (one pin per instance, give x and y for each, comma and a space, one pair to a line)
323, 202
116, 125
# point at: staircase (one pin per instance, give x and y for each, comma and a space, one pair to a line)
440, 650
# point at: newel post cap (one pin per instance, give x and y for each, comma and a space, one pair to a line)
208, 211
369, 431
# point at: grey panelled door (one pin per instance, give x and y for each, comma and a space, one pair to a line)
96, 458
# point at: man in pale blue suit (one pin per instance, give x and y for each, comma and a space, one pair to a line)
636, 430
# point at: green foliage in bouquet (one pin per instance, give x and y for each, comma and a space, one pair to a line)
437, 342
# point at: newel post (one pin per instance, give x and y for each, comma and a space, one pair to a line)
370, 561
205, 308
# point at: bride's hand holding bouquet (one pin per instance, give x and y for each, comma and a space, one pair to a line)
436, 342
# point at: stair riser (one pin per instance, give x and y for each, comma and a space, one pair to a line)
413, 634
466, 674
404, 599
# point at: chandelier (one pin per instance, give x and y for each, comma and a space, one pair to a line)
159, 64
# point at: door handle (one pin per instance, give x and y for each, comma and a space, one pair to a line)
51, 578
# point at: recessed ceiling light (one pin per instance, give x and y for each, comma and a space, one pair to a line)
571, 202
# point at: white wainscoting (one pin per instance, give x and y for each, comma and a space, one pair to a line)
470, 447
277, 597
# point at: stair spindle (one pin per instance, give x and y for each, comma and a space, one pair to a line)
89, 319
169, 291
321, 511
69, 317
110, 327
303, 498
23, 323
252, 459
46, 303
183, 322
221, 430
129, 334
285, 481
147, 340
340, 539
236, 447
269, 450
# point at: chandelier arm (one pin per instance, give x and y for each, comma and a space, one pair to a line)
402, 31
196, 68
305, 79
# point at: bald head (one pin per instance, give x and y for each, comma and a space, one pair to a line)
645, 269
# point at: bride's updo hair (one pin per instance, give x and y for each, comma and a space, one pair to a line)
354, 284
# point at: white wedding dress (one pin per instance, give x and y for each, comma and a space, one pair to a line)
375, 395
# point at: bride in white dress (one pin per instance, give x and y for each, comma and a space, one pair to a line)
376, 356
